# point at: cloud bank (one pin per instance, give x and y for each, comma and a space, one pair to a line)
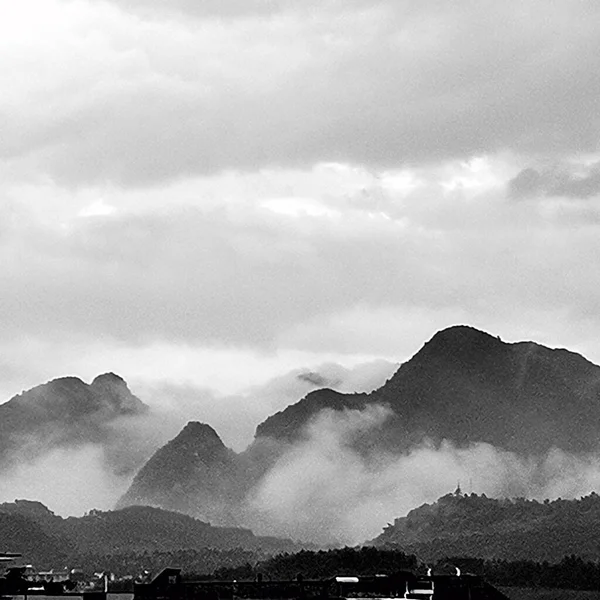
325, 491
73, 476
164, 93
321, 489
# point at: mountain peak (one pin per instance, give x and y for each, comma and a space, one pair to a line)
193, 473
200, 435
465, 385
109, 378
457, 347
463, 337
114, 390
75, 412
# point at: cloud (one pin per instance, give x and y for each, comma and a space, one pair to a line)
322, 489
51, 461
375, 273
568, 182
527, 183
148, 98
244, 279
70, 481
235, 416
230, 9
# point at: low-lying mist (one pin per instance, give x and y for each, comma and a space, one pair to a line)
69, 481
236, 416
71, 474
322, 490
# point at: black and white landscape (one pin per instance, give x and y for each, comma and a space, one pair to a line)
508, 420
280, 275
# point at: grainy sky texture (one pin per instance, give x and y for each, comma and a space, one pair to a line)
213, 192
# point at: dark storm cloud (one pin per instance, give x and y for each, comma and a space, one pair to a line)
381, 84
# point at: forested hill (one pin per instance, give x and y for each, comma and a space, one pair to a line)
49, 540
472, 525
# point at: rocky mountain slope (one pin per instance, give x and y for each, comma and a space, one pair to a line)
195, 474
467, 386
477, 526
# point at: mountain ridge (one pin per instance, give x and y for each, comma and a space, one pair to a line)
464, 386
47, 539
505, 529
467, 386
65, 412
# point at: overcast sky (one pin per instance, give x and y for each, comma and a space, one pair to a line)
213, 192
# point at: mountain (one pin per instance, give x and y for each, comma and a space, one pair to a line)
144, 528
194, 473
467, 386
44, 538
463, 385
34, 511
477, 526
64, 413
24, 535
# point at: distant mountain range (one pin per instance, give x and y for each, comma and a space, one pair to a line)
476, 526
463, 386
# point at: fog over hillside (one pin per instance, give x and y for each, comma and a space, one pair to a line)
50, 460
346, 463
323, 490
503, 418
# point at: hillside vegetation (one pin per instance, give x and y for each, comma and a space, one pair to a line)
472, 525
